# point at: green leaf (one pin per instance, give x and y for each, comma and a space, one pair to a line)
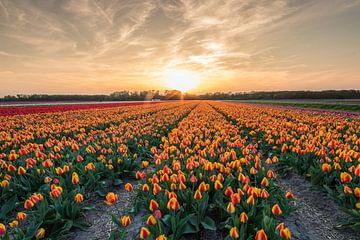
188, 228
208, 224
8, 207
118, 182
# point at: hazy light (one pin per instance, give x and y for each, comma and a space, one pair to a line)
180, 79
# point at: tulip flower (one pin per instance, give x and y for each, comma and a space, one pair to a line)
161, 237
125, 221
234, 232
75, 178
156, 189
28, 204
326, 167
265, 182
40, 233
357, 192
145, 188
345, 177
79, 198
260, 235
173, 204
243, 217
276, 210
235, 198
197, 195
153, 205
285, 233
250, 200
128, 187
4, 183
14, 224
289, 195
218, 185
21, 216
281, 226
230, 208
157, 214
144, 233
21, 171
151, 220
111, 198
2, 229
228, 191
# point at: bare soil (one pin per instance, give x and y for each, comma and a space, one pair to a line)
317, 215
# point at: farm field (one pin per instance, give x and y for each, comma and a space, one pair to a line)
178, 170
349, 105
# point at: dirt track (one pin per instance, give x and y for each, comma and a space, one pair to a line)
317, 215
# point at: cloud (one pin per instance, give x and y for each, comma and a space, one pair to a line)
233, 44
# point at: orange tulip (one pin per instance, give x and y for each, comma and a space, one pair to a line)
230, 208
161, 237
235, 198
128, 187
289, 195
2, 229
28, 204
326, 167
21, 171
265, 182
144, 233
125, 221
75, 178
243, 217
145, 188
250, 200
4, 183
21, 216
285, 233
234, 232
79, 198
348, 190
218, 185
228, 191
357, 192
260, 235
111, 198
40, 233
151, 220
276, 210
14, 224
156, 189
197, 195
153, 205
173, 204
345, 177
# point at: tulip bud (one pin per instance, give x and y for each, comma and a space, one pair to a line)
40, 233
125, 221
144, 233
128, 187
2, 229
276, 210
234, 232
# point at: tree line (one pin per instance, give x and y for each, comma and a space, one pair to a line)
176, 95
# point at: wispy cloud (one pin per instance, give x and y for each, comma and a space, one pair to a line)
105, 45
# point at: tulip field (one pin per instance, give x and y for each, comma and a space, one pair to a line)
202, 166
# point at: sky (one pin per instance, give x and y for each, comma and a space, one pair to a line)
93, 46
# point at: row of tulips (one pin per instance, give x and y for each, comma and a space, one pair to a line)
10, 110
210, 176
50, 163
322, 146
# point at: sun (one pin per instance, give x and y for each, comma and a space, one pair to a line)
181, 79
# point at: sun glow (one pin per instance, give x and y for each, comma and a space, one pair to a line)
180, 79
